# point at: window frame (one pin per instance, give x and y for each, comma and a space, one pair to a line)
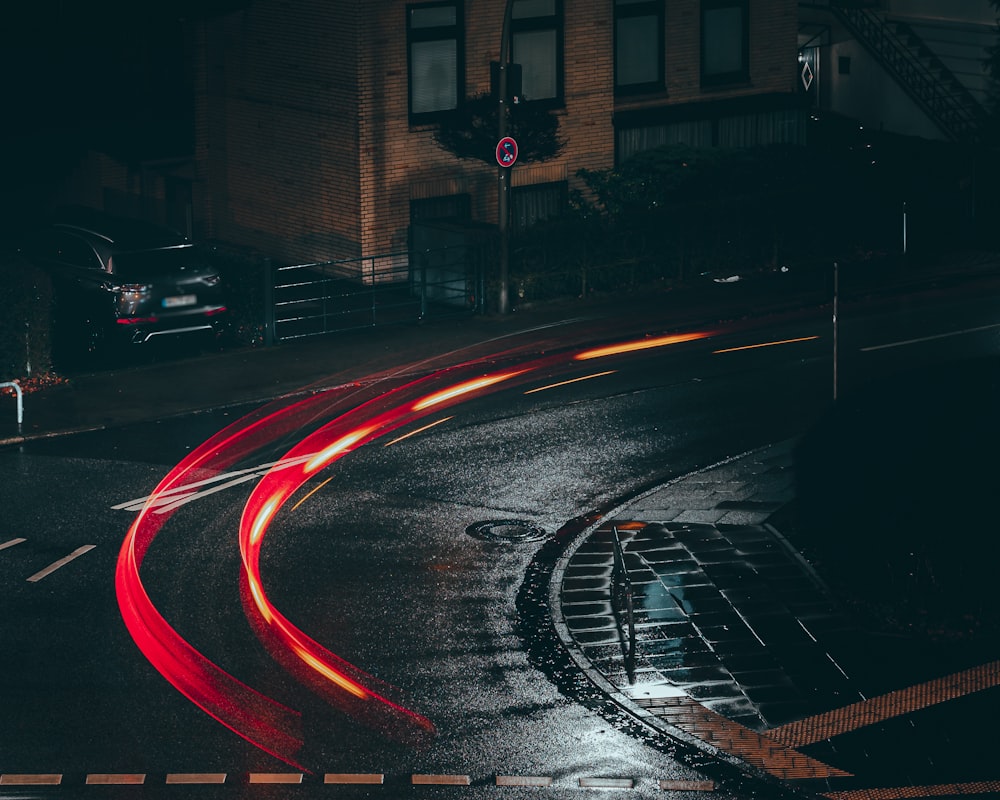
741, 75
641, 8
416, 35
556, 23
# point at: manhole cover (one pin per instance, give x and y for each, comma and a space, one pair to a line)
507, 530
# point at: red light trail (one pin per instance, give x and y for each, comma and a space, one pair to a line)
261, 720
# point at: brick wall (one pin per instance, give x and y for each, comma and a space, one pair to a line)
304, 140
277, 138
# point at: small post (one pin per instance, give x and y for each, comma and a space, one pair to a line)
423, 285
20, 400
835, 326
904, 227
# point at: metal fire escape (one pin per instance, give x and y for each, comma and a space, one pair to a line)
918, 71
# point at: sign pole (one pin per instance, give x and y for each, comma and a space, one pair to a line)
503, 188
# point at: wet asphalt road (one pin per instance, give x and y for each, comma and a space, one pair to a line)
378, 562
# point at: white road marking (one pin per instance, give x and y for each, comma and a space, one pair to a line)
354, 777
441, 780
11, 543
275, 777
196, 777
179, 495
523, 780
109, 779
607, 783
30, 780
62, 562
928, 338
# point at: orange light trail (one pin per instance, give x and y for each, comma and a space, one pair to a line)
571, 380
337, 449
463, 389
641, 344
418, 431
764, 344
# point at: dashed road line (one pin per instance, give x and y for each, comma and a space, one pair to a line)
348, 778
354, 777
441, 780
687, 786
11, 543
62, 562
107, 779
30, 780
196, 777
275, 777
607, 783
894, 704
523, 780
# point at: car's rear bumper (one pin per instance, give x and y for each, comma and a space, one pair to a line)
138, 330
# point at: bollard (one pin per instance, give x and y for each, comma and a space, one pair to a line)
20, 400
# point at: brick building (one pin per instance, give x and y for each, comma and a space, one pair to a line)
315, 119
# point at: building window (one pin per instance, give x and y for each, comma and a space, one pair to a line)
638, 46
436, 56
537, 45
725, 42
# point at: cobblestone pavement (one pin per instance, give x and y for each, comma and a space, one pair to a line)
733, 641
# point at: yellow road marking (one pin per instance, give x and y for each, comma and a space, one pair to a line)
353, 777
275, 777
196, 777
903, 792
894, 704
30, 780
108, 779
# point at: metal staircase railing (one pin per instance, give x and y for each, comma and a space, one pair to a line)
937, 91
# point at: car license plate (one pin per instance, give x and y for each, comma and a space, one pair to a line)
180, 300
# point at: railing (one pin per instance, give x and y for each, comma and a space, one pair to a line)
622, 604
955, 116
332, 296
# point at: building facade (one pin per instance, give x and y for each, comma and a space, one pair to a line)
315, 119
911, 67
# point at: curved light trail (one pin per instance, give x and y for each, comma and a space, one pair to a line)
261, 720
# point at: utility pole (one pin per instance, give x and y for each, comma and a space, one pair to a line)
503, 176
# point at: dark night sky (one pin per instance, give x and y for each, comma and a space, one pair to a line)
66, 64
111, 74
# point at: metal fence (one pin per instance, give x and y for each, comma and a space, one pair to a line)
394, 288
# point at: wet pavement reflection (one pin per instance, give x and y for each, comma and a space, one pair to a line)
740, 644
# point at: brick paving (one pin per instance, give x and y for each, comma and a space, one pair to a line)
739, 644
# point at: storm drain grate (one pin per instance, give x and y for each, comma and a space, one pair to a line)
507, 530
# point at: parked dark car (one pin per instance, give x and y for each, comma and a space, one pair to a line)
124, 281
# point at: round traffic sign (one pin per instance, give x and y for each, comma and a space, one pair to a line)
506, 152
